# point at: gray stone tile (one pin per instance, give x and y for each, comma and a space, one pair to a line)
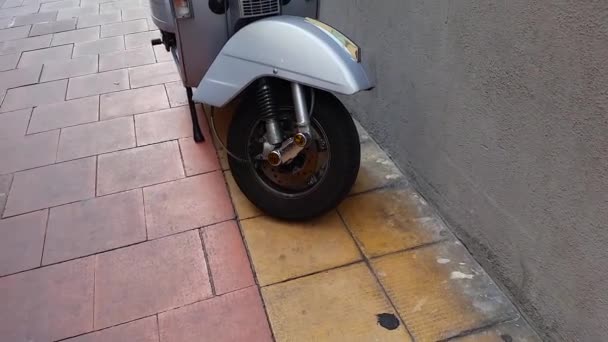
14, 33
34, 95
76, 36
79, 66
38, 57
64, 114
53, 27
14, 124
51, 186
35, 18
101, 46
126, 59
8, 62
96, 138
98, 19
135, 13
56, 5
76, 12
153, 74
101, 83
26, 152
128, 27
26, 44
5, 22
141, 39
133, 101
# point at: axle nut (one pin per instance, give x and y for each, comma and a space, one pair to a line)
300, 139
274, 158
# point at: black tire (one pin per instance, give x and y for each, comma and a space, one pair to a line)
339, 176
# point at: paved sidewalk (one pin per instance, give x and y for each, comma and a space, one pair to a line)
116, 226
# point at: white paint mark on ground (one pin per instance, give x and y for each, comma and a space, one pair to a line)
443, 261
460, 275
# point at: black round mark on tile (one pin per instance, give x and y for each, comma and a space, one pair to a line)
506, 338
388, 321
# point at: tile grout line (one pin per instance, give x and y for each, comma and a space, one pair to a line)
94, 286
375, 275
143, 201
46, 228
484, 327
96, 172
206, 257
158, 326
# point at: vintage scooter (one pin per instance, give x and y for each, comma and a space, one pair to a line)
293, 147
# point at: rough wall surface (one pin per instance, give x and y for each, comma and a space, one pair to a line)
499, 111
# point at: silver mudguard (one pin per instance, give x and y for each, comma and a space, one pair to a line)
287, 47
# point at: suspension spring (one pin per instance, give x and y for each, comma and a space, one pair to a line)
267, 106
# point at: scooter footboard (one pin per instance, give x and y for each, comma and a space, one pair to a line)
297, 49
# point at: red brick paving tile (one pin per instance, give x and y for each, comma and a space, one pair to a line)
35, 18
137, 167
25, 152
48, 303
126, 59
93, 226
101, 83
153, 74
163, 125
26, 44
177, 94
134, 101
138, 40
76, 36
53, 27
14, 33
227, 257
19, 77
98, 19
77, 12
34, 95
143, 330
199, 157
96, 138
122, 28
14, 124
144, 279
60, 69
21, 239
39, 57
51, 185
187, 204
236, 316
8, 62
55, 5
64, 114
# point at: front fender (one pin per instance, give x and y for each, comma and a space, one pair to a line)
287, 47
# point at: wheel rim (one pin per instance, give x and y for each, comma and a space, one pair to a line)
305, 172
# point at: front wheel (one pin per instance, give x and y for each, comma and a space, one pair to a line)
316, 180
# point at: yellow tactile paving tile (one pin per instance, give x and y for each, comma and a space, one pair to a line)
244, 208
440, 291
390, 220
513, 331
283, 250
377, 169
338, 305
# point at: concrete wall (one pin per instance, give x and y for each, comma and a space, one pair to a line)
499, 111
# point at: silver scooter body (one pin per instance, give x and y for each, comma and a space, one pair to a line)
221, 54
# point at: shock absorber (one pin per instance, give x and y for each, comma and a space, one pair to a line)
268, 108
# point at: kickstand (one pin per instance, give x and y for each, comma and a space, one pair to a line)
196, 128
